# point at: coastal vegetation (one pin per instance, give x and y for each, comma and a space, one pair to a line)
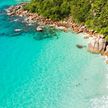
91, 13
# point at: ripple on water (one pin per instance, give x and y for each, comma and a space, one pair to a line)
51, 73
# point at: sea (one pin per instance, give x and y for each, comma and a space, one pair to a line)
46, 69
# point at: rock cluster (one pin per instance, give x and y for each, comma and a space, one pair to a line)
97, 45
80, 46
15, 9
35, 18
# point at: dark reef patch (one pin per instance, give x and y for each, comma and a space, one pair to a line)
11, 24
48, 32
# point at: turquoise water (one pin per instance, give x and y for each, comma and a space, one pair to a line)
39, 72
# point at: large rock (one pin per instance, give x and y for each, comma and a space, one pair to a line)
106, 51
97, 45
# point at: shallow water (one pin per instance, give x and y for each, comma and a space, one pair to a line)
41, 70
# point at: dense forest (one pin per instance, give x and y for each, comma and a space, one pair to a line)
92, 13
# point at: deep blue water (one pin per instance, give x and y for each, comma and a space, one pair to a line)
47, 70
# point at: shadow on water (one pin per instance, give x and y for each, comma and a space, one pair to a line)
10, 24
48, 33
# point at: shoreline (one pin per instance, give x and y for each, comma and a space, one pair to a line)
31, 18
98, 45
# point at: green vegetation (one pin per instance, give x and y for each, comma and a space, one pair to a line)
92, 13
54, 9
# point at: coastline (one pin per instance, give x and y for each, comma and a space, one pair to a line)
31, 18
46, 69
97, 44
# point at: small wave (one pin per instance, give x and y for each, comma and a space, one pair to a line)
101, 102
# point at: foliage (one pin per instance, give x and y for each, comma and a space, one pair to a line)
93, 13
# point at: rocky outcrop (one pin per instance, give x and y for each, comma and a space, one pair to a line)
106, 51
31, 18
97, 45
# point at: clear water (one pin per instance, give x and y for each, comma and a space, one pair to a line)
38, 72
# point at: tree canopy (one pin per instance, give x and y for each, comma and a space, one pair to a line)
92, 13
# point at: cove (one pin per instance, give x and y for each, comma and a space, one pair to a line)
47, 72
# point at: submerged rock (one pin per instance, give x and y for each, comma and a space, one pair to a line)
86, 37
48, 33
18, 30
79, 46
16, 20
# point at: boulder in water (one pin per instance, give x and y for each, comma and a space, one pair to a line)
79, 46
18, 30
39, 28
